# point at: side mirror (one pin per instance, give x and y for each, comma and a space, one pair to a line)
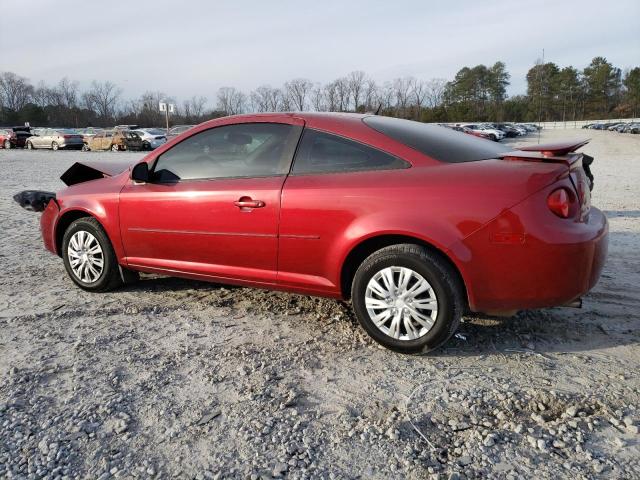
140, 173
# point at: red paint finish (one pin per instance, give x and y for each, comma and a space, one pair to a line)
491, 218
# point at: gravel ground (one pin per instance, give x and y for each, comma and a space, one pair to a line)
176, 378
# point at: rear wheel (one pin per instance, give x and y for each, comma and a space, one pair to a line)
89, 257
114, 148
29, 146
54, 146
85, 147
7, 144
407, 298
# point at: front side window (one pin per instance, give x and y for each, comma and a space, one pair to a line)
240, 150
321, 152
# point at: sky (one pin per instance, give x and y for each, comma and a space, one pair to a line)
193, 47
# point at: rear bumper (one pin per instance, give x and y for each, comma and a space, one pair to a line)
551, 264
71, 144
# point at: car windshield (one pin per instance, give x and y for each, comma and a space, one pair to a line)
437, 142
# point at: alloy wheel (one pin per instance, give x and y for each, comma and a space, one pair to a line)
401, 303
85, 256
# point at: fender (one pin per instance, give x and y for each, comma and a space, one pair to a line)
99, 200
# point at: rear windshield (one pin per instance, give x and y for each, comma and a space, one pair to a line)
437, 142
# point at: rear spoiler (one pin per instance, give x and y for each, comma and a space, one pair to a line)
560, 152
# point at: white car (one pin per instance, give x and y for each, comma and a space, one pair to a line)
495, 134
152, 138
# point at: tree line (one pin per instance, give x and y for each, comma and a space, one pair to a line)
479, 93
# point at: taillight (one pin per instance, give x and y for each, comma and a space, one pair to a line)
559, 202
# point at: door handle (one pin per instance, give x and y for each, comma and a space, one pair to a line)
247, 203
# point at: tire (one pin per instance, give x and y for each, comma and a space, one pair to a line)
54, 146
29, 146
493, 137
85, 147
114, 148
146, 146
445, 287
7, 144
90, 230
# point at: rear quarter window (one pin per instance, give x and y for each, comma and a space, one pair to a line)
439, 143
321, 152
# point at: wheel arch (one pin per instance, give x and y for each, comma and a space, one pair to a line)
366, 247
66, 219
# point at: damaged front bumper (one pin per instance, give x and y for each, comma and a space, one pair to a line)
34, 200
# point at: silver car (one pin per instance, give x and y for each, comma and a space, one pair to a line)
152, 138
54, 139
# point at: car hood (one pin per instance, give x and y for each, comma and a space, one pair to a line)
92, 170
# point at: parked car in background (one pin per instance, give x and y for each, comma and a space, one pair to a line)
105, 140
54, 139
132, 141
509, 130
118, 128
152, 138
17, 137
468, 131
90, 131
5, 137
177, 130
632, 128
494, 134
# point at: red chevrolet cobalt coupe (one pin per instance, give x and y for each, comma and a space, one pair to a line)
415, 223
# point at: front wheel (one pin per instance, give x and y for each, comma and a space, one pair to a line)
114, 148
7, 144
29, 146
407, 298
89, 257
85, 147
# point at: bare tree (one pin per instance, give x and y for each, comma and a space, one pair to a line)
266, 99
231, 101
371, 96
331, 96
419, 94
67, 92
387, 97
435, 89
103, 97
402, 91
16, 91
193, 108
318, 99
342, 94
42, 95
297, 91
357, 82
